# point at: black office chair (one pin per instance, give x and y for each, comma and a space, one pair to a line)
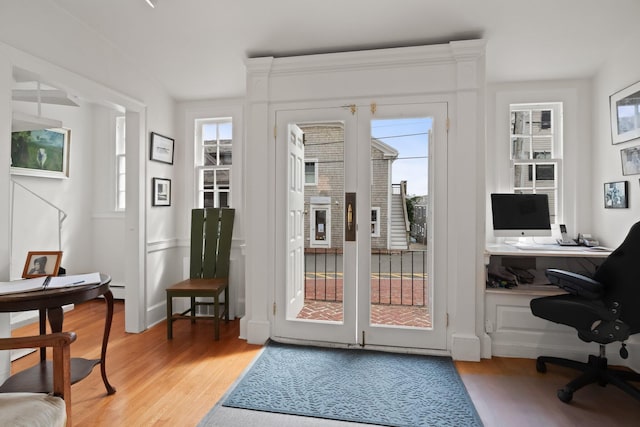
604, 309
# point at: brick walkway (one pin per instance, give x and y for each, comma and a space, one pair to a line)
381, 314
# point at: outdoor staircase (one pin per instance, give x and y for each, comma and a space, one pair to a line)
398, 237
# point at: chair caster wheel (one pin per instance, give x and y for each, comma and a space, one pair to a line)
565, 395
541, 366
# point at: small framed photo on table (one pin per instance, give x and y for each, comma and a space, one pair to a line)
161, 192
42, 263
615, 195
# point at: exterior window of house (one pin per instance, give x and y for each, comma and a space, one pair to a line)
375, 222
214, 143
310, 172
120, 164
536, 151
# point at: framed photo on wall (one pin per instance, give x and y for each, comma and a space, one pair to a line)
625, 114
161, 148
161, 192
42, 263
615, 195
42, 152
630, 160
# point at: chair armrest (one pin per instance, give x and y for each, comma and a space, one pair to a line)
52, 340
61, 343
575, 284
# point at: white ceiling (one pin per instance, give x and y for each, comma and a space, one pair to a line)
196, 48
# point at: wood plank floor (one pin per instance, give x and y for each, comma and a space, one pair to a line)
175, 383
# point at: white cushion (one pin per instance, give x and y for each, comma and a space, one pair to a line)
31, 410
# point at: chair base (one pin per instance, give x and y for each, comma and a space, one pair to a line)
595, 370
192, 288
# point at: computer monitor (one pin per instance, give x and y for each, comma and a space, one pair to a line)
520, 215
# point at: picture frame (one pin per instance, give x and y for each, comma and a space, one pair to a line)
42, 153
615, 195
42, 263
625, 114
630, 158
161, 148
161, 192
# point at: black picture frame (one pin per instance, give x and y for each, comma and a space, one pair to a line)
616, 195
161, 149
161, 192
623, 106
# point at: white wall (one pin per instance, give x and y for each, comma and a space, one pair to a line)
575, 96
611, 225
620, 70
72, 54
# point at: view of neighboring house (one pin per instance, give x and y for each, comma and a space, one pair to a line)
324, 191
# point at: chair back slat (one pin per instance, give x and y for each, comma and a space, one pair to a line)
211, 236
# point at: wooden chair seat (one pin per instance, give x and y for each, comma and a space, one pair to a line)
193, 288
211, 235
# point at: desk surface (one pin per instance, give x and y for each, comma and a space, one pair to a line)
51, 298
550, 250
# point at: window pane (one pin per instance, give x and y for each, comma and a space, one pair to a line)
309, 173
225, 132
521, 176
210, 156
541, 122
224, 199
222, 178
208, 200
520, 148
520, 122
208, 179
542, 147
225, 154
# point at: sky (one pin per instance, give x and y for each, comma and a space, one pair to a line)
410, 138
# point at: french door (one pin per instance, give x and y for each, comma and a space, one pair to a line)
361, 219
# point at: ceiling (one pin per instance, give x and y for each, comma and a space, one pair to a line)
196, 48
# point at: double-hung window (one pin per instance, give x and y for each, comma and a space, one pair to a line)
214, 143
536, 152
121, 166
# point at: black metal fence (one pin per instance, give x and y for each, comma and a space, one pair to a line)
397, 277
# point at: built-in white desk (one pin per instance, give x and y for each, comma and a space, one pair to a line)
511, 329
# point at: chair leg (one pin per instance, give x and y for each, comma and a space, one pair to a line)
216, 316
193, 310
169, 316
226, 304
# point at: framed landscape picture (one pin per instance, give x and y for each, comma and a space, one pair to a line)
43, 152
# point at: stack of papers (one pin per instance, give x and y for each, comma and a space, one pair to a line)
44, 282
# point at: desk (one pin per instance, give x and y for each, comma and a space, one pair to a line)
49, 304
510, 328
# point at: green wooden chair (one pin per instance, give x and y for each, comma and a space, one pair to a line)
211, 233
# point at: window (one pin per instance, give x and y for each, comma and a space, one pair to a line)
311, 172
375, 222
120, 164
536, 151
214, 143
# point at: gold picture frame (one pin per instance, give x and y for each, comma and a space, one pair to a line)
42, 263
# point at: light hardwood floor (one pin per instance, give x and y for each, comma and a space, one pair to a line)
175, 383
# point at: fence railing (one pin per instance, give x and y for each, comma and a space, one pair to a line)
397, 278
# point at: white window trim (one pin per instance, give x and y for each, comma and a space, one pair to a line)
376, 228
556, 152
315, 170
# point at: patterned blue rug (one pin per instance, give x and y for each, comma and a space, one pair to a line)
362, 386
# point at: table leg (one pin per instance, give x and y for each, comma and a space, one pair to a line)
108, 296
43, 331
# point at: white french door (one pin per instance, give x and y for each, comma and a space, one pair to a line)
378, 279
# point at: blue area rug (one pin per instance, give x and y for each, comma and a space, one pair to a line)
362, 386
